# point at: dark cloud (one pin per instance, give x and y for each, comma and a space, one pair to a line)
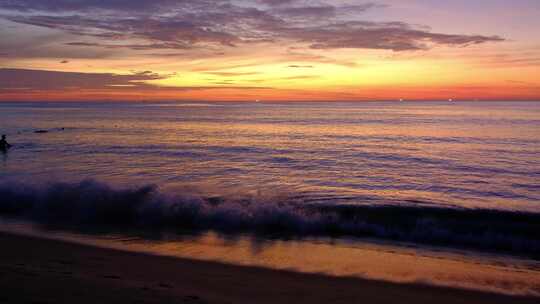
137, 47
358, 8
160, 33
371, 35
25, 80
79, 5
166, 54
321, 11
277, 2
187, 24
307, 11
53, 80
64, 61
300, 66
232, 74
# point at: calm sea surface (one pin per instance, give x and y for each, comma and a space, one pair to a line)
478, 155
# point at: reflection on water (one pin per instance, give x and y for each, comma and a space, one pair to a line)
462, 154
4, 156
397, 263
472, 155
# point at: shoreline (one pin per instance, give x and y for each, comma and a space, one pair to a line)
53, 271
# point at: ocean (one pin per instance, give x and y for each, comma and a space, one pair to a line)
460, 175
472, 155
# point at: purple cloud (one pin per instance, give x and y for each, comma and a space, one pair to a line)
307, 11
277, 2
168, 24
50, 80
371, 35
80, 5
42, 80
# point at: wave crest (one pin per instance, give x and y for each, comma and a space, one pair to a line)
94, 204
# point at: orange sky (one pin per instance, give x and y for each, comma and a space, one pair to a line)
269, 50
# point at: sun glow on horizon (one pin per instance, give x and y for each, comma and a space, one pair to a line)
289, 51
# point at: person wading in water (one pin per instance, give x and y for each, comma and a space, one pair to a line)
4, 145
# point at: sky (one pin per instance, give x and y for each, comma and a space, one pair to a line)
269, 50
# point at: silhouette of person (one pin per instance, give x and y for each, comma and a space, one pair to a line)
4, 145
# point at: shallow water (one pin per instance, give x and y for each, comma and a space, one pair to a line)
369, 259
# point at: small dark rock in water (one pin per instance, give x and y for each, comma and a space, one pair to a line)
41, 131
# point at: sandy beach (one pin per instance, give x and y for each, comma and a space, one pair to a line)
48, 271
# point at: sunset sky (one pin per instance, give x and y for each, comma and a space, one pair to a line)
269, 50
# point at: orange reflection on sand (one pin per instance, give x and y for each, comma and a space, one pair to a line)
373, 260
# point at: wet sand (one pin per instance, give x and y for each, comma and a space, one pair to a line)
36, 270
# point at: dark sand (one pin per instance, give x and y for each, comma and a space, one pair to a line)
47, 271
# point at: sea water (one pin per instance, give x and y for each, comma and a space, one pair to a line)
460, 175
464, 154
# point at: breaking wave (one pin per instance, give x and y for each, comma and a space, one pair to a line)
94, 204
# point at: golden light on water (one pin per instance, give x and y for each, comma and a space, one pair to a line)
390, 50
